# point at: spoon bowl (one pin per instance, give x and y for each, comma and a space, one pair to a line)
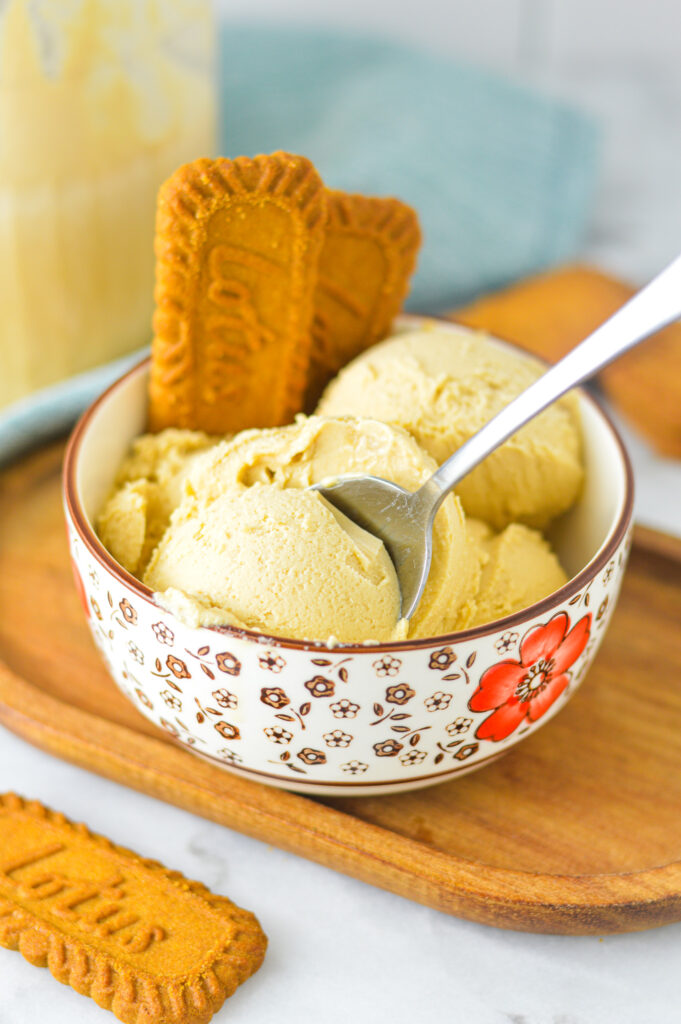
402, 519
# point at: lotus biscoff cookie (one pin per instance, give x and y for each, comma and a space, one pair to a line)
237, 248
142, 941
369, 253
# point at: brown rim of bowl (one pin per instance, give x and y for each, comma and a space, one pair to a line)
99, 552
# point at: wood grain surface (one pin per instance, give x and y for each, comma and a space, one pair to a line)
576, 830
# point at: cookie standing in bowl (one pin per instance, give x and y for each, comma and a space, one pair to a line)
237, 246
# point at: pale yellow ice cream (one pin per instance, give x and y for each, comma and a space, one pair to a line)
518, 569
149, 485
442, 386
250, 545
259, 557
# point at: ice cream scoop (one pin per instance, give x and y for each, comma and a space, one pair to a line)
403, 519
442, 383
250, 545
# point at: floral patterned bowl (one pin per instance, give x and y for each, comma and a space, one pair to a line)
348, 720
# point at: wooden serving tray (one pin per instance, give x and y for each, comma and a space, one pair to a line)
576, 830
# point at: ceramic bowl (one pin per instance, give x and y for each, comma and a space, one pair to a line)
348, 720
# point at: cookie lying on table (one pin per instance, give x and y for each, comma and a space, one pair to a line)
137, 938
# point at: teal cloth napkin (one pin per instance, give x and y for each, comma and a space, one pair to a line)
501, 176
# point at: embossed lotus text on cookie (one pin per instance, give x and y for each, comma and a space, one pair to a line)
139, 939
237, 248
369, 252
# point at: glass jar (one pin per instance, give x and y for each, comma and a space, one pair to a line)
100, 100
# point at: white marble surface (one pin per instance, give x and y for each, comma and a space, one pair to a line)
339, 950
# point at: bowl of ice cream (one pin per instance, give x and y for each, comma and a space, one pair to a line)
259, 627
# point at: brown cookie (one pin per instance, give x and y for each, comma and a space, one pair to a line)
369, 252
237, 247
137, 938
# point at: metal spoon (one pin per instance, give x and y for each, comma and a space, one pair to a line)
403, 520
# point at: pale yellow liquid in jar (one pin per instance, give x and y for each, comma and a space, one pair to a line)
100, 100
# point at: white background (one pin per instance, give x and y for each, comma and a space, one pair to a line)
341, 951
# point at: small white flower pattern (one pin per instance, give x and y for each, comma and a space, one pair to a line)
277, 734
344, 709
225, 699
136, 653
411, 757
438, 701
163, 633
171, 700
354, 767
271, 662
337, 738
506, 642
387, 666
459, 726
229, 756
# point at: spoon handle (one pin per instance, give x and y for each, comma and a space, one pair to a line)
654, 307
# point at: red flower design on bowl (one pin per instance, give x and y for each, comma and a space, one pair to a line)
526, 689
